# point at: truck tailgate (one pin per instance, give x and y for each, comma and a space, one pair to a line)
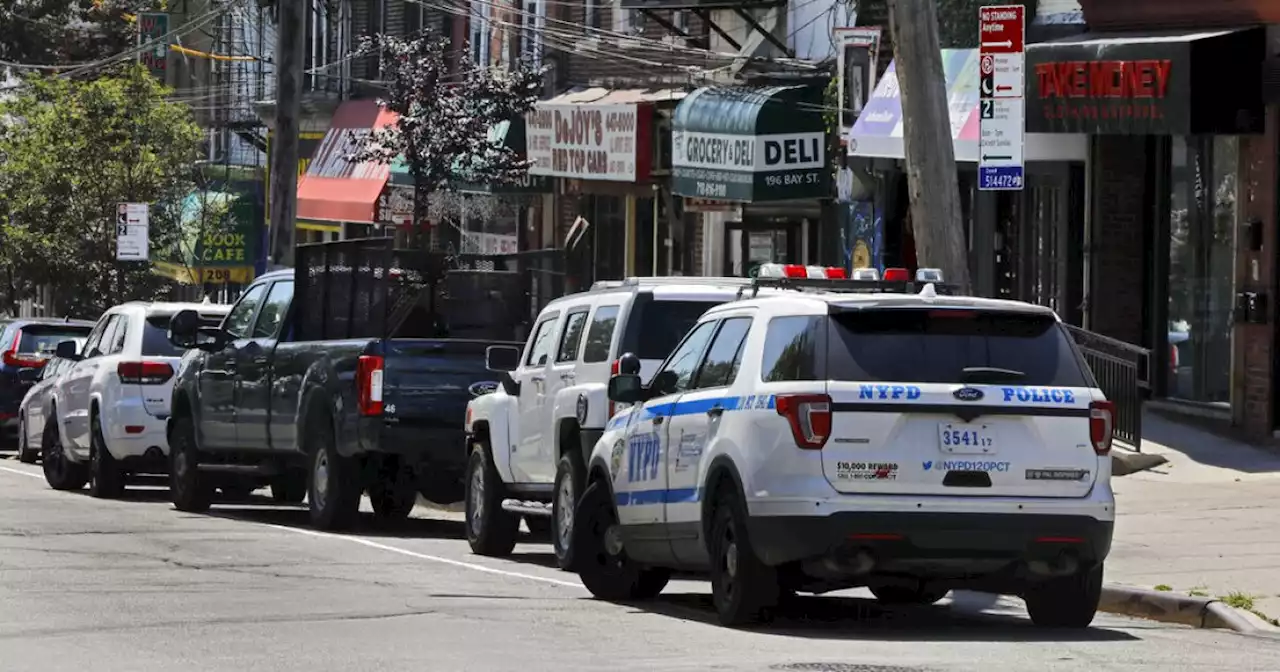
428, 382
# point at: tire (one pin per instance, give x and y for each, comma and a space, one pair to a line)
393, 501
289, 489
490, 530
609, 575
334, 492
743, 589
1069, 602
25, 454
106, 476
922, 593
59, 471
189, 490
570, 473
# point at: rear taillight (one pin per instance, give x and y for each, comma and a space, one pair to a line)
1102, 423
809, 416
369, 384
13, 358
144, 373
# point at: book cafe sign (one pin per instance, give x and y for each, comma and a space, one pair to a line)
589, 142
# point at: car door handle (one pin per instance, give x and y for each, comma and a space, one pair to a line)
538, 379
657, 419
568, 376
715, 411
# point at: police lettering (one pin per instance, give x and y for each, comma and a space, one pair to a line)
643, 451
908, 392
1040, 395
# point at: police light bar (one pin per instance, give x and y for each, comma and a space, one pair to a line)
866, 274
800, 271
929, 275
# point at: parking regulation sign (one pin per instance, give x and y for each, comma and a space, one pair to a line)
1001, 101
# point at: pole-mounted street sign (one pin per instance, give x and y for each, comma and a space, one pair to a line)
1001, 101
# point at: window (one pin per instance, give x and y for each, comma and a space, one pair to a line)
480, 34
155, 337
686, 358
95, 336
240, 317
572, 337
591, 15
118, 338
106, 338
936, 346
624, 20
600, 336
273, 310
43, 339
790, 349
680, 19
657, 326
540, 343
725, 354
534, 20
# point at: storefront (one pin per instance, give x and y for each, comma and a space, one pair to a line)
1025, 245
764, 151
1172, 117
604, 151
337, 195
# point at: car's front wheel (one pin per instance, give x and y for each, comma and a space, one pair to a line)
490, 529
600, 558
335, 484
25, 454
1069, 602
106, 476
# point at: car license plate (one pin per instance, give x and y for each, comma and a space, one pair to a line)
966, 439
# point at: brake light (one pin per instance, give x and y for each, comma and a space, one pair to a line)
369, 384
11, 356
144, 373
896, 275
809, 416
1102, 422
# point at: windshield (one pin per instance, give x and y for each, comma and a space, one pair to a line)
660, 325
936, 346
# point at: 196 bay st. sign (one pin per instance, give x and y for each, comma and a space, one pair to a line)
749, 167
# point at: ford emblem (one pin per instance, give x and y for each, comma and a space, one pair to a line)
483, 387
967, 394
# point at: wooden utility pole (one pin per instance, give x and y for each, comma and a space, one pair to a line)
936, 220
290, 35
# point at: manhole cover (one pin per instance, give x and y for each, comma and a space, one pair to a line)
843, 667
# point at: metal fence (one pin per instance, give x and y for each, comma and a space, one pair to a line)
1123, 373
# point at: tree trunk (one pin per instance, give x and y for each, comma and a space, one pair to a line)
930, 156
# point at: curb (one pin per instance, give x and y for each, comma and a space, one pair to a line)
1125, 462
1168, 607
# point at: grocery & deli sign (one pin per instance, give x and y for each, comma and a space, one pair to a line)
733, 167
590, 142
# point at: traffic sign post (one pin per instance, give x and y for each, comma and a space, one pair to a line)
132, 232
1001, 101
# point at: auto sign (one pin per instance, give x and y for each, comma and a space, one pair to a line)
968, 394
483, 387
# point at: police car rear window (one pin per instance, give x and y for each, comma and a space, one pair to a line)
936, 346
662, 324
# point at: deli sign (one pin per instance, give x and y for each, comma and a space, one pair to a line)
750, 168
590, 142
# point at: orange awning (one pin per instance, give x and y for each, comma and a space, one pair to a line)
335, 189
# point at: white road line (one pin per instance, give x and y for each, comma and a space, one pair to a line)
20, 472
430, 558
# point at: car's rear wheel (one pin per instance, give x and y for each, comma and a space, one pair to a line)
59, 471
599, 557
25, 454
1069, 602
189, 490
490, 530
106, 476
335, 484
570, 474
744, 589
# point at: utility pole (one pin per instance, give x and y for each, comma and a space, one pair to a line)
934, 189
290, 35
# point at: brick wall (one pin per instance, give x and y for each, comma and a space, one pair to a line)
1117, 252
1254, 343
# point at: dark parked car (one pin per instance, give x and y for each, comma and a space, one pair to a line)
28, 343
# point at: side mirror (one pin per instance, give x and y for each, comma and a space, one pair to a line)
183, 327
211, 339
502, 358
629, 363
626, 388
68, 350
29, 374
663, 383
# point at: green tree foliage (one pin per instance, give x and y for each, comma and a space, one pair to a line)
68, 32
69, 152
958, 20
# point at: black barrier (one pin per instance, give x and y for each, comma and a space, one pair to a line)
1121, 370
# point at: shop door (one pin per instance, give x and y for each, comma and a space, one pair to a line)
1049, 242
747, 246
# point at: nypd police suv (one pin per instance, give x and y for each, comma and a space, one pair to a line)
867, 432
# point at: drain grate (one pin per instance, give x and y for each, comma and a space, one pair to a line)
842, 667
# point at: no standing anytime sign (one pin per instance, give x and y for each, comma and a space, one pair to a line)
1001, 105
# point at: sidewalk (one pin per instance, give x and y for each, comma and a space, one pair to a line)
1207, 523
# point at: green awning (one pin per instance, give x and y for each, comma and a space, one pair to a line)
217, 241
505, 134
751, 144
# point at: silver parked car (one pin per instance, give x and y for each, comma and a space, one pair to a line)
35, 406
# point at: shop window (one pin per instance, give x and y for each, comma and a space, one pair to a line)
1202, 220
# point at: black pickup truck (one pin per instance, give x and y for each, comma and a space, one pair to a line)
301, 388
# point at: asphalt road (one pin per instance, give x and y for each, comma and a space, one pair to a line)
134, 586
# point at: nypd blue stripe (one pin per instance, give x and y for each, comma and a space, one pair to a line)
695, 406
659, 496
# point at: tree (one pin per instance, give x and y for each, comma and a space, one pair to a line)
69, 152
67, 32
445, 120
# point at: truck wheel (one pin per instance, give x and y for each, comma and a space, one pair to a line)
335, 485
290, 488
921, 593
1069, 602
25, 454
490, 530
189, 490
570, 473
59, 471
600, 560
106, 477
392, 501
744, 589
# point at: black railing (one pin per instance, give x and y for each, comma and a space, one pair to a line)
1123, 373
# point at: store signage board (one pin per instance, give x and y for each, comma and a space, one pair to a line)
586, 141
132, 232
1001, 102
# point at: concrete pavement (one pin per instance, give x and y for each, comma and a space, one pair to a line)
136, 586
1207, 522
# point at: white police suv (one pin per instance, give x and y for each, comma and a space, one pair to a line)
857, 433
